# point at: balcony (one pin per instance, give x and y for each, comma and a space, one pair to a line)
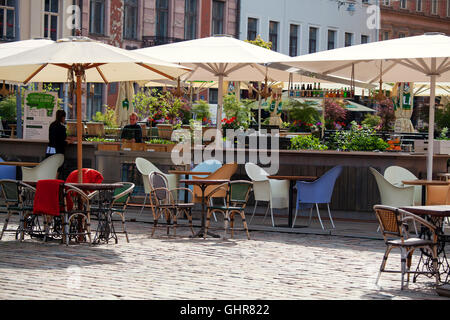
151, 41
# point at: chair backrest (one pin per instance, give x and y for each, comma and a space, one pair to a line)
239, 191
7, 172
89, 176
438, 195
395, 175
122, 194
391, 195
9, 189
255, 172
47, 169
159, 182
390, 221
320, 190
210, 165
145, 167
224, 172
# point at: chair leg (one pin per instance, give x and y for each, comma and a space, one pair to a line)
156, 216
175, 223
295, 217
318, 214
254, 210
143, 206
226, 222
5, 225
231, 215
188, 213
244, 223
208, 221
403, 267
267, 210
310, 215
329, 214
271, 214
124, 228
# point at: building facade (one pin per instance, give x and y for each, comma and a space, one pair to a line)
404, 18
299, 27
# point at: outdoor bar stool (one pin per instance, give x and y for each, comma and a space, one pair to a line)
17, 197
393, 225
237, 194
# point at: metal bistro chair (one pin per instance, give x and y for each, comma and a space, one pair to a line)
120, 202
237, 194
393, 225
163, 202
17, 197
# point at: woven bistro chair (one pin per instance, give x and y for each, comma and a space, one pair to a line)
394, 227
236, 196
165, 202
120, 202
15, 197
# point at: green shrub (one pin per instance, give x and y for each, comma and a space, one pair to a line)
371, 120
8, 108
358, 138
306, 142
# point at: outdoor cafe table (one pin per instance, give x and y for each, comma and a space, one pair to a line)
203, 184
436, 215
19, 164
105, 229
186, 175
292, 181
425, 183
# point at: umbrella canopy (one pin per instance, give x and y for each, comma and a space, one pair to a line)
219, 59
413, 59
83, 59
15, 47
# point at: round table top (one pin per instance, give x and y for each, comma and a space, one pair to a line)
296, 178
204, 181
96, 186
437, 211
191, 173
426, 182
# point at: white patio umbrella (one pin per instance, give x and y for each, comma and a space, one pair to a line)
423, 58
83, 59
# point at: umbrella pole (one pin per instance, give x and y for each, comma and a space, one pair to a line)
259, 108
79, 132
220, 104
431, 122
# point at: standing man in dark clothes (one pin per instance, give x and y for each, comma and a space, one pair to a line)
132, 131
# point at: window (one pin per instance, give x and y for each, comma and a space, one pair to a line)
364, 39
448, 8
95, 100
348, 39
386, 35
331, 39
7, 19
190, 19
51, 11
386, 2
217, 17
97, 17
162, 18
434, 6
312, 40
252, 28
213, 96
293, 40
401, 35
419, 5
403, 4
130, 17
273, 34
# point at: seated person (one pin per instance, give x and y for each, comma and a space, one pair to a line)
133, 131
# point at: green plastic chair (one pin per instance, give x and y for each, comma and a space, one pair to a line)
120, 202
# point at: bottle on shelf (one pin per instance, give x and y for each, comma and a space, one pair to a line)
291, 91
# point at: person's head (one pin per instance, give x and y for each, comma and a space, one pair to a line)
133, 118
60, 116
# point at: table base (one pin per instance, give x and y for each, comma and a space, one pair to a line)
201, 234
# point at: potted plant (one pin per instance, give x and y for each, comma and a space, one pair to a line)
303, 116
159, 145
307, 142
335, 114
104, 144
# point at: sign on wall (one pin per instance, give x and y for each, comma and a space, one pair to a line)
39, 111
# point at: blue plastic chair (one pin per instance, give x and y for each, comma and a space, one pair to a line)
7, 172
319, 191
206, 166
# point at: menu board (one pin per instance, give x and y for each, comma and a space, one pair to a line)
39, 111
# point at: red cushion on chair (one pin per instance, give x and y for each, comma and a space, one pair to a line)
46, 199
89, 176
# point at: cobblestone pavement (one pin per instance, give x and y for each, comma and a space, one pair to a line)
271, 265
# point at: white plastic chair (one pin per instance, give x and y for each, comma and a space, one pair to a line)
145, 167
47, 169
396, 174
275, 192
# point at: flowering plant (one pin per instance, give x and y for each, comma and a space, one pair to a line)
334, 112
358, 138
385, 110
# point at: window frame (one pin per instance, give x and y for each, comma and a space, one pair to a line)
334, 39
435, 6
48, 15
92, 14
314, 41
190, 15
216, 20
274, 36
352, 39
5, 8
248, 28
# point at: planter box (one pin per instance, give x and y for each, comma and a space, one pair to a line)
111, 146
439, 147
165, 131
159, 147
133, 146
72, 129
95, 129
